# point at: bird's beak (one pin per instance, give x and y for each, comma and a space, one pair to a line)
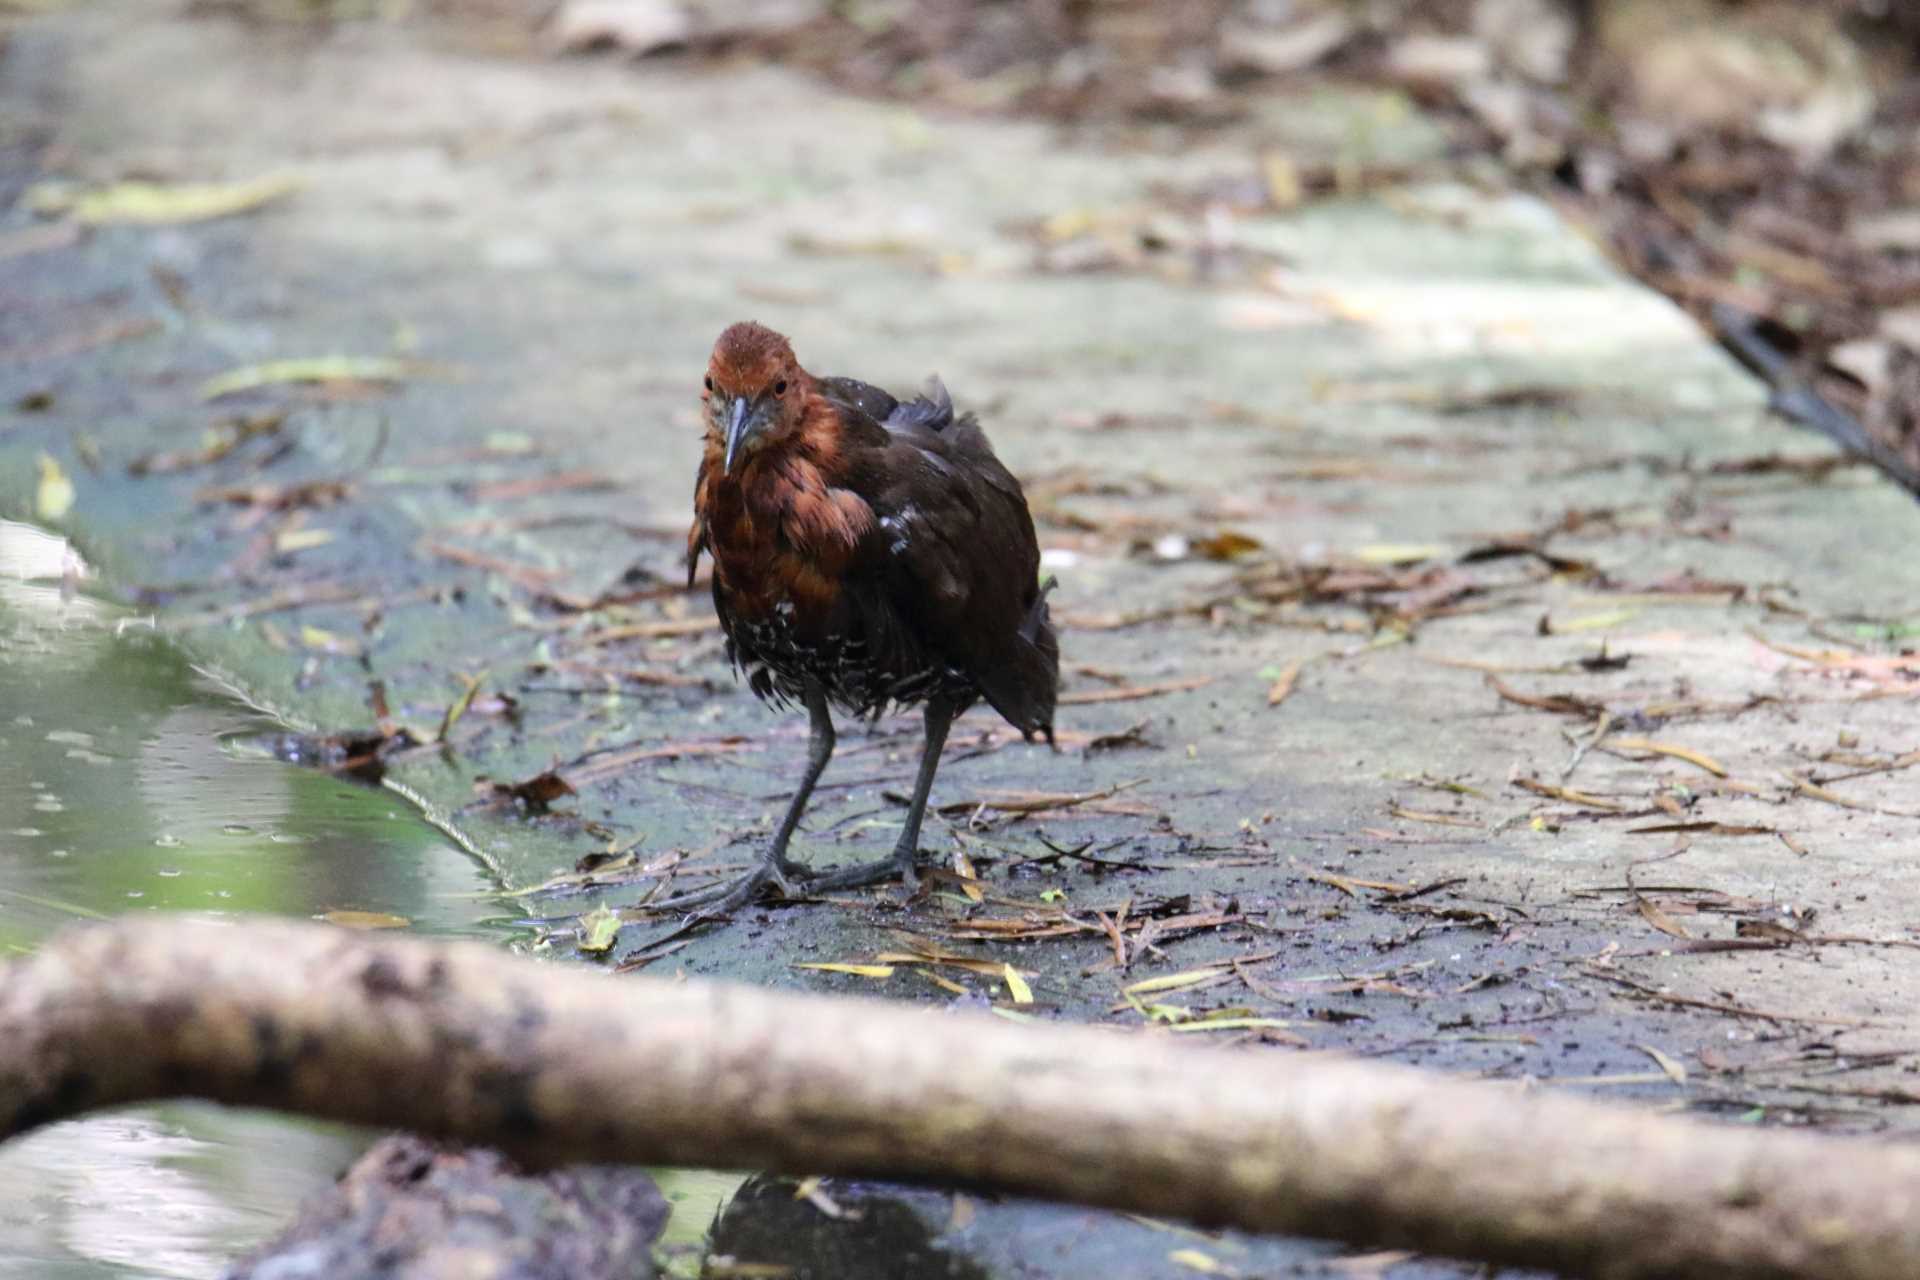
736, 431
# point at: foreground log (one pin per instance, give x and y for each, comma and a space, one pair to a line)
556, 1065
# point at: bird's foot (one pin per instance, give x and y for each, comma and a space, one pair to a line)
730, 895
899, 865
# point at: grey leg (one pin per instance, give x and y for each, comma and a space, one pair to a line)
820, 742
774, 867
939, 719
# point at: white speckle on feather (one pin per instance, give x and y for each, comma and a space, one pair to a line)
898, 527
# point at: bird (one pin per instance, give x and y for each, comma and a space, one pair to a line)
868, 552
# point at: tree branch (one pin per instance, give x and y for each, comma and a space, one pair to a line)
553, 1065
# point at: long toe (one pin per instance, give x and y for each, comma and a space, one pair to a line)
854, 877
728, 896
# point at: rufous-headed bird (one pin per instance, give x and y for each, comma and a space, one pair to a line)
867, 552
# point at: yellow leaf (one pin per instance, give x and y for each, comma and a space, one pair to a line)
54, 498
313, 369
857, 970
1172, 981
326, 641
1229, 1024
1017, 986
1391, 553
155, 203
969, 879
1596, 621
598, 929
1194, 1260
293, 540
1069, 223
459, 708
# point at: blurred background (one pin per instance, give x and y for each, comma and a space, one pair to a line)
1761, 155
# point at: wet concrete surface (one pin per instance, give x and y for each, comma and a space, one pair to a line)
1456, 452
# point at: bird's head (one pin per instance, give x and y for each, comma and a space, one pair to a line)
754, 391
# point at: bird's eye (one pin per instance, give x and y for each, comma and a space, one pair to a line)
709, 382
780, 387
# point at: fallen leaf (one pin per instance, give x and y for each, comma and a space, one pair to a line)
1692, 757
1362, 1265
327, 642
598, 929
839, 966
54, 496
1400, 553
1016, 985
1134, 735
1814, 791
1225, 545
1565, 704
1595, 621
1439, 819
459, 705
1351, 886
289, 541
1283, 683
1567, 794
1701, 829
1651, 912
1194, 1260
221, 439
1041, 801
366, 920
1229, 1024
1131, 693
1676, 1071
158, 204
1173, 981
538, 792
312, 369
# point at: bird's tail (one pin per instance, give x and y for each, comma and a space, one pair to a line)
1026, 684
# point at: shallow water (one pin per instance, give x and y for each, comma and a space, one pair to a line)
125, 786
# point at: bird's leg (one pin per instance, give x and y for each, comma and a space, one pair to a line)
820, 741
774, 867
938, 718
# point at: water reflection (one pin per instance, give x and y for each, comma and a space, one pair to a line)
117, 795
173, 1191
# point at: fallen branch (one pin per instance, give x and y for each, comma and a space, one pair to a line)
460, 1041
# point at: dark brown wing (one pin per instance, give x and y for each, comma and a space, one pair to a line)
953, 550
863, 397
